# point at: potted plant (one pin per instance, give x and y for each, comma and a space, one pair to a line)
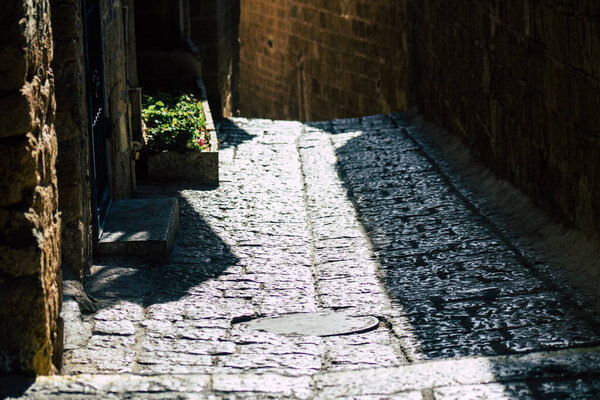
180, 140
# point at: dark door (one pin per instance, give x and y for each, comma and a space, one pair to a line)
99, 167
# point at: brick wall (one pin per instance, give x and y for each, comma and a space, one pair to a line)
29, 221
519, 82
266, 74
311, 60
73, 137
214, 29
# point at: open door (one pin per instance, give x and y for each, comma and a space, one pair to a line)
98, 121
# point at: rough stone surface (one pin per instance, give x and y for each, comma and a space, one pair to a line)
347, 215
198, 167
30, 288
72, 132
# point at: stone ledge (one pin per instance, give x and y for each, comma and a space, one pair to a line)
140, 228
431, 375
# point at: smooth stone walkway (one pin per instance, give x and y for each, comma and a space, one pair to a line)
355, 216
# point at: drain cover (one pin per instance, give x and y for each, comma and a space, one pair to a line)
313, 324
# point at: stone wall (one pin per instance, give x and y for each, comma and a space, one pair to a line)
214, 29
117, 98
519, 82
30, 284
73, 137
316, 60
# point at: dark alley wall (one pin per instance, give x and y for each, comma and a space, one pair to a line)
316, 60
116, 60
519, 82
72, 165
214, 29
30, 285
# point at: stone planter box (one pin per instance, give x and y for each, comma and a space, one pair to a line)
193, 166
199, 167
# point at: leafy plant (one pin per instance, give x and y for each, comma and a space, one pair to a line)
174, 123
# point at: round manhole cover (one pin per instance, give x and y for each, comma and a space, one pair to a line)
313, 324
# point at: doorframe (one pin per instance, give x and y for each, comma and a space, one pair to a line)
100, 203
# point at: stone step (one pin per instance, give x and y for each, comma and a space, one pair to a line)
557, 374
140, 228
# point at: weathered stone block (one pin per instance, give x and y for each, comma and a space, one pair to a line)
29, 221
18, 119
21, 243
68, 87
73, 248
13, 68
18, 168
64, 21
200, 167
71, 201
24, 326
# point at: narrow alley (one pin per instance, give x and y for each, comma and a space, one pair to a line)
357, 216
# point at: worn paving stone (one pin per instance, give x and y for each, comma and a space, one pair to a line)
348, 215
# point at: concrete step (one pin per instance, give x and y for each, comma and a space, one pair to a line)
140, 228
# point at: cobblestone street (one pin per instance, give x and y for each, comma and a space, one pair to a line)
360, 216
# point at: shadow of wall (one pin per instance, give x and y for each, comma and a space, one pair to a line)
459, 284
199, 255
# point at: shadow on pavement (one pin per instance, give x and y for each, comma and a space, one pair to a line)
230, 135
199, 255
14, 386
457, 285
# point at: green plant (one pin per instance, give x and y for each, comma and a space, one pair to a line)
174, 123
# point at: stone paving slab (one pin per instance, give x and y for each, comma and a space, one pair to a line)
352, 216
558, 374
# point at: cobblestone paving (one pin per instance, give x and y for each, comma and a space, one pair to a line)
352, 216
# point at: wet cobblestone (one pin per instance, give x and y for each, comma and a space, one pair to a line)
351, 216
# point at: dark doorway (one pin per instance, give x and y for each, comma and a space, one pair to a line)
98, 120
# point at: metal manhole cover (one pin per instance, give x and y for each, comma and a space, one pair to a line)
312, 324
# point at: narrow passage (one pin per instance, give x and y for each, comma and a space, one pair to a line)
352, 216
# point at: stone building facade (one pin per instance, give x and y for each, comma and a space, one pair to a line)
73, 137
30, 290
47, 206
